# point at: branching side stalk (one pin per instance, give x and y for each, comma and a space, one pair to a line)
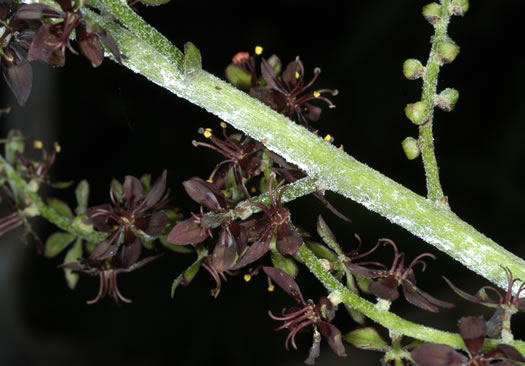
430, 81
385, 318
47, 212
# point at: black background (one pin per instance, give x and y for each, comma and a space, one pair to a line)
111, 122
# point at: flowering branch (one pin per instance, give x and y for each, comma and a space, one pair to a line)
387, 319
332, 168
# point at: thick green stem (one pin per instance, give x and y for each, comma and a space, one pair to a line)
383, 317
333, 168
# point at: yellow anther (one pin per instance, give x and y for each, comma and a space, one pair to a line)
209, 181
331, 106
253, 189
247, 277
258, 50
58, 148
317, 94
223, 124
297, 75
341, 148
207, 133
328, 138
37, 144
271, 288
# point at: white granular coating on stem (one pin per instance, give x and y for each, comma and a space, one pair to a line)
334, 170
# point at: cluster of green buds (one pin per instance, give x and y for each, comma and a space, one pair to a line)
444, 51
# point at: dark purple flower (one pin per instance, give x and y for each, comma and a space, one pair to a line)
133, 212
14, 43
309, 315
51, 40
242, 157
472, 330
506, 305
288, 93
274, 224
386, 282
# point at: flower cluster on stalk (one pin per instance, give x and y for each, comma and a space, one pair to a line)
286, 91
136, 214
27, 35
317, 317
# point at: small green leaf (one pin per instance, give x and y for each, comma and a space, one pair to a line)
321, 251
154, 2
116, 188
192, 58
328, 237
82, 195
146, 182
187, 276
62, 185
61, 207
73, 255
14, 144
56, 243
284, 263
367, 338
275, 63
238, 77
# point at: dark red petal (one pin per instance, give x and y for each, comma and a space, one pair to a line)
288, 240
90, 46
131, 191
187, 232
268, 75
19, 77
205, 194
506, 351
334, 338
130, 253
463, 294
156, 223
363, 271
311, 112
225, 251
258, 249
37, 11
156, 192
99, 215
66, 5
385, 288
473, 330
413, 296
110, 43
293, 69
285, 282
437, 355
46, 45
4, 10
107, 248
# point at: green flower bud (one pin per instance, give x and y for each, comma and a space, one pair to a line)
447, 99
417, 112
459, 7
413, 69
411, 148
448, 51
433, 13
